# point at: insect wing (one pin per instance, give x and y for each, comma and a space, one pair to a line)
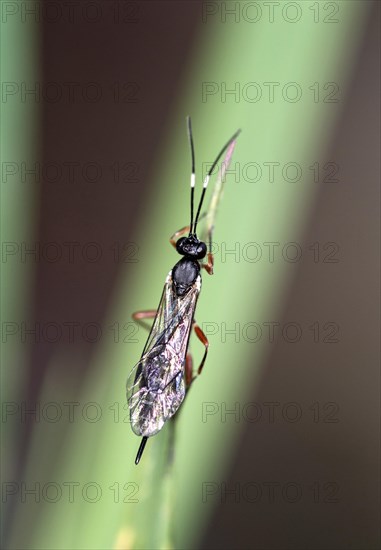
156, 385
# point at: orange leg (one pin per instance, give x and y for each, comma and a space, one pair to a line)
138, 316
204, 340
178, 234
189, 363
209, 265
188, 370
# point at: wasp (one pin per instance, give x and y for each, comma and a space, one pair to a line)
160, 380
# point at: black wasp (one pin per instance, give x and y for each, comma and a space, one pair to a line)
158, 383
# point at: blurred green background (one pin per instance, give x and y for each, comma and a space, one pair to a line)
285, 77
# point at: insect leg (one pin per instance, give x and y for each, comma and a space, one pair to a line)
188, 370
178, 234
189, 361
204, 340
138, 316
209, 265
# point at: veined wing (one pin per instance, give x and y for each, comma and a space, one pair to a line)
156, 385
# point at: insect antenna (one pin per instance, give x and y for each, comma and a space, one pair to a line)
140, 450
193, 172
206, 180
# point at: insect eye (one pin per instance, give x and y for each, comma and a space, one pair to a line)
180, 245
201, 251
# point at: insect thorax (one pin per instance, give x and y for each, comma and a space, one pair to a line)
184, 275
